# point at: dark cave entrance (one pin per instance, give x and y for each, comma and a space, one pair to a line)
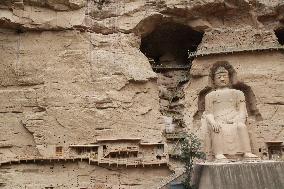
169, 44
167, 49
280, 35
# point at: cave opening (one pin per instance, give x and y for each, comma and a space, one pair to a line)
167, 47
280, 35
169, 44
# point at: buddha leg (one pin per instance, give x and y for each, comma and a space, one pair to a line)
244, 138
217, 143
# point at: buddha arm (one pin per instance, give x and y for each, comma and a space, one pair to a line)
242, 116
243, 110
209, 110
209, 114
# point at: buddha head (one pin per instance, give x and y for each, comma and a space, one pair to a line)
222, 74
221, 77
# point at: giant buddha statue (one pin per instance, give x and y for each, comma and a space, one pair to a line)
225, 116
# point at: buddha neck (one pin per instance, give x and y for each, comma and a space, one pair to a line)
222, 88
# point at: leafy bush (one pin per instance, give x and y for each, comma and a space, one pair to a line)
190, 151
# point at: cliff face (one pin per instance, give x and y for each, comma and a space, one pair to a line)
71, 71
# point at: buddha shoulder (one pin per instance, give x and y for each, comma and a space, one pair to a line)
237, 92
224, 92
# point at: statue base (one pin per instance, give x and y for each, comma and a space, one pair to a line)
240, 175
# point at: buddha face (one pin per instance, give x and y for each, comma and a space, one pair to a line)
221, 78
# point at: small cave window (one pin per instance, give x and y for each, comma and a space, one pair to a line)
160, 147
59, 151
280, 36
168, 48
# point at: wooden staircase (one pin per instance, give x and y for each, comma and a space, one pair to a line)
169, 179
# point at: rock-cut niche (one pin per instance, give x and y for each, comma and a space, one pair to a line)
167, 47
251, 102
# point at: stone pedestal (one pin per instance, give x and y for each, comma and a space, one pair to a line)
240, 175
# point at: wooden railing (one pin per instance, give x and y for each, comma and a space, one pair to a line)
132, 162
121, 149
35, 159
224, 50
90, 158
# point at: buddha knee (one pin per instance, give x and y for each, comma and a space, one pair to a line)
242, 126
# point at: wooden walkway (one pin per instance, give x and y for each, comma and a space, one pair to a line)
42, 160
228, 50
90, 160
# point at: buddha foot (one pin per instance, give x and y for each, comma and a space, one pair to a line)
220, 158
250, 157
